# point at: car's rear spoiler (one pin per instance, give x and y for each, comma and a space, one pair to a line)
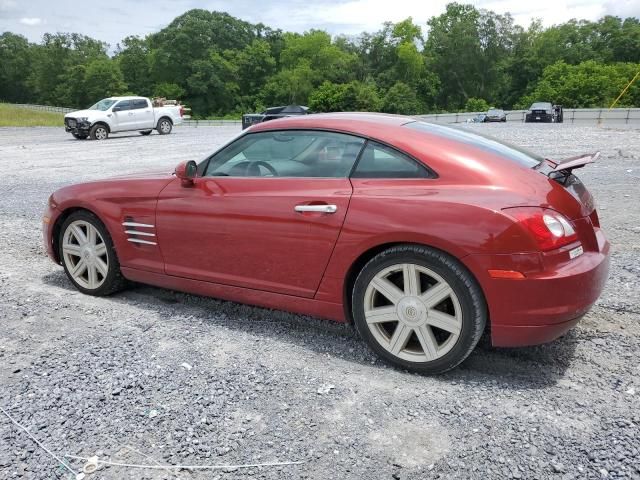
572, 163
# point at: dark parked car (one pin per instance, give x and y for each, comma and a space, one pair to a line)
544, 112
479, 118
272, 113
495, 115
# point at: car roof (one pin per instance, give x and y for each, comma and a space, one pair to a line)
351, 122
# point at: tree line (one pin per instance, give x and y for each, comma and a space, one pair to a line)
464, 59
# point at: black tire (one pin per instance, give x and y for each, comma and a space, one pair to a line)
146, 132
164, 126
470, 298
79, 136
99, 132
113, 281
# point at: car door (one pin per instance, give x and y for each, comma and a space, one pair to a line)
121, 116
143, 114
264, 213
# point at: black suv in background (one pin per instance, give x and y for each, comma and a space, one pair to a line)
544, 112
272, 113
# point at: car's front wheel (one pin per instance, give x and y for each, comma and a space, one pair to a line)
99, 132
88, 255
418, 308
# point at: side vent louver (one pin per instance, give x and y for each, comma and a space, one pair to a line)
140, 233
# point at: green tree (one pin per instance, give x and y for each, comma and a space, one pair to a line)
289, 86
168, 90
16, 60
401, 98
328, 97
55, 58
103, 78
353, 96
467, 49
134, 60
587, 85
476, 105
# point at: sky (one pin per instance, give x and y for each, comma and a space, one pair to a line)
113, 20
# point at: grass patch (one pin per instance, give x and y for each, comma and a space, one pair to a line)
12, 116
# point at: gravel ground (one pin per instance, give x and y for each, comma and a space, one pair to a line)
151, 375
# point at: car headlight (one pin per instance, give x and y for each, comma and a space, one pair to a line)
82, 119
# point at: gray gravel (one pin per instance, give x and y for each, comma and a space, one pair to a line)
151, 375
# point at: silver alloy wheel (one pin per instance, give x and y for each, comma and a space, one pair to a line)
85, 254
101, 133
412, 312
165, 126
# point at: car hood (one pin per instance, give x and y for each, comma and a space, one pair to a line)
158, 174
121, 189
83, 113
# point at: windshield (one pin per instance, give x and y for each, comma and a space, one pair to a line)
495, 111
497, 147
103, 104
540, 106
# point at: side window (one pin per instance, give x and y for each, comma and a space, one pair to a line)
139, 104
287, 153
380, 161
124, 105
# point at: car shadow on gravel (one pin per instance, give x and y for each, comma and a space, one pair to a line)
517, 368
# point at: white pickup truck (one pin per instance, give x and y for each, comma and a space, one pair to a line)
122, 114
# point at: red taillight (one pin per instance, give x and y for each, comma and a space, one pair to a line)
595, 221
549, 228
181, 111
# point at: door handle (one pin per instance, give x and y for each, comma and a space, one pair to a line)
316, 208
130, 113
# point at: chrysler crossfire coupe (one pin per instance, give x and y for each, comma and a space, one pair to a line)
421, 235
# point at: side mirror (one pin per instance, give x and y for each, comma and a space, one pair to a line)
186, 172
116, 109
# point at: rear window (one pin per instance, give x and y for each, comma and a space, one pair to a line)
497, 147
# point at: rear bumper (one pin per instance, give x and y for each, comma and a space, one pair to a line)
544, 305
538, 117
525, 335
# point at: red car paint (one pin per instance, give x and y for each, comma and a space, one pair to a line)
239, 238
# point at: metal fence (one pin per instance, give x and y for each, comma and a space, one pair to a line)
586, 116
210, 123
592, 116
44, 108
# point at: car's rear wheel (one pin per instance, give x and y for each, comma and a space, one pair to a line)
88, 255
99, 132
164, 126
146, 132
418, 308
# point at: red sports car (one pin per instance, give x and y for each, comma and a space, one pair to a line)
421, 235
